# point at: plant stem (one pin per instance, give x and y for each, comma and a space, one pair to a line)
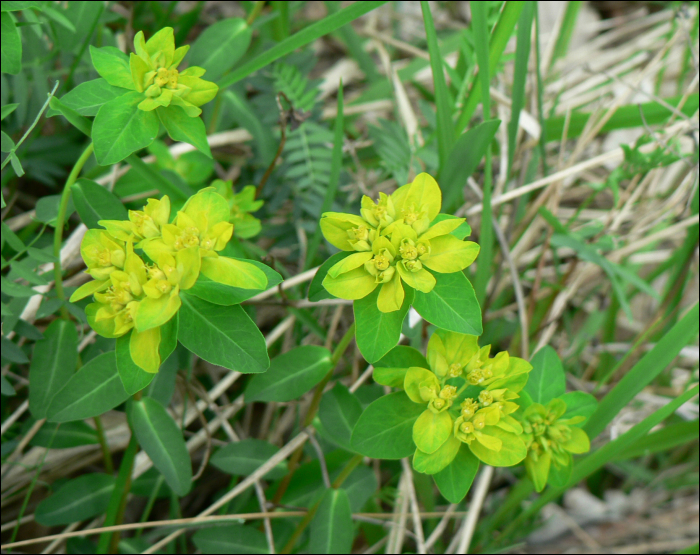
313, 409
255, 13
60, 220
106, 454
352, 464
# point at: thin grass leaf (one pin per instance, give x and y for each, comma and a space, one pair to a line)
302, 38
642, 373
443, 106
499, 38
522, 55
481, 46
567, 30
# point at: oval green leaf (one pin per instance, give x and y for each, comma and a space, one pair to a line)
546, 379
222, 335
455, 480
220, 46
184, 128
231, 538
93, 203
91, 391
162, 441
385, 428
290, 375
451, 305
79, 499
317, 292
53, 364
378, 332
225, 295
246, 456
339, 412
69, 434
331, 528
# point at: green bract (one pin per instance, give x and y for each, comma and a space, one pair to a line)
482, 421
394, 242
138, 297
244, 224
551, 439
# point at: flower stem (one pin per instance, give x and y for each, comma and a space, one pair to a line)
60, 220
255, 13
313, 409
106, 454
352, 464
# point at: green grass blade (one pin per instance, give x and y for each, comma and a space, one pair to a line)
609, 452
336, 165
302, 38
499, 38
522, 55
481, 46
445, 133
651, 365
567, 29
669, 437
354, 43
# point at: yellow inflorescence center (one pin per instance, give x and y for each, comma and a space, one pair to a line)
408, 251
467, 428
410, 215
381, 262
455, 370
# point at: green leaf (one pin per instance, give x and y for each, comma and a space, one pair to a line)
91, 391
378, 332
16, 164
113, 65
53, 364
120, 128
79, 499
46, 210
133, 377
162, 441
290, 375
385, 428
317, 292
512, 452
522, 58
81, 123
455, 480
332, 527
11, 51
87, 98
443, 105
547, 379
7, 110
650, 366
339, 411
69, 434
41, 255
220, 46
225, 295
222, 335
7, 389
9, 237
230, 538
246, 456
579, 403
94, 202
7, 143
10, 350
467, 153
184, 128
305, 36
451, 305
58, 17
402, 356
464, 229
16, 6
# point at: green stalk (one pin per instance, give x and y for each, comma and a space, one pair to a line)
352, 464
255, 13
313, 409
481, 40
109, 541
106, 454
60, 220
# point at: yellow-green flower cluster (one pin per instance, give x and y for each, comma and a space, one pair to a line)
154, 73
242, 203
395, 240
132, 294
483, 421
551, 439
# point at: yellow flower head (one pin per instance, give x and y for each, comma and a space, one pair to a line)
396, 240
154, 73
